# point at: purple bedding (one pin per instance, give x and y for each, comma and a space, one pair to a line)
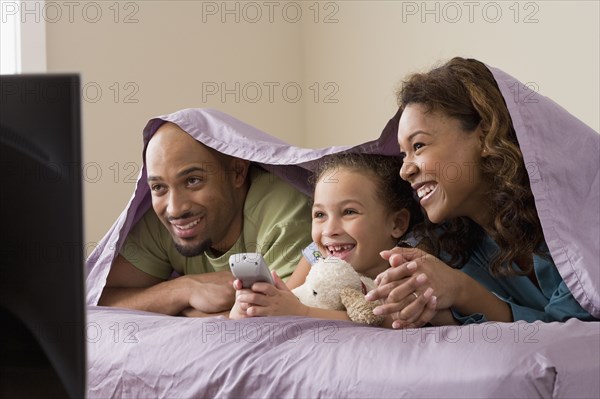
137, 354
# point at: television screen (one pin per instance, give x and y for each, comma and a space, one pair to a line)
42, 314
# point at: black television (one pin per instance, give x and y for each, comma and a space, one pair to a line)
42, 313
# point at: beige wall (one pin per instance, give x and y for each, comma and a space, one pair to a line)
347, 57
376, 44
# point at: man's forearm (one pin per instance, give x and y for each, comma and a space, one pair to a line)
169, 297
207, 292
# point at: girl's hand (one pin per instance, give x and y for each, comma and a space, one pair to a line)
239, 309
268, 300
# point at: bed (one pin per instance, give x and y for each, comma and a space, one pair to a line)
140, 354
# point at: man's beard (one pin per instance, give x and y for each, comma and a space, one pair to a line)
190, 251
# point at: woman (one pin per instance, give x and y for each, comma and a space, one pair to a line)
463, 160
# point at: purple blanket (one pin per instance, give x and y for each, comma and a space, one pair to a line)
562, 156
147, 355
137, 354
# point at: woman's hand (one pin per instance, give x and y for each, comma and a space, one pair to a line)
413, 309
271, 300
414, 271
445, 281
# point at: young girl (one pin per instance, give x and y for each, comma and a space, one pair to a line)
361, 207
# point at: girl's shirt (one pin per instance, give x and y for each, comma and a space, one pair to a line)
311, 253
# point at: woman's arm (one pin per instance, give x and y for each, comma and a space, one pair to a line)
413, 269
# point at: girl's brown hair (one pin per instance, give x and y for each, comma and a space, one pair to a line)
465, 89
395, 193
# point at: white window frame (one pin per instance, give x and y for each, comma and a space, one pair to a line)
23, 36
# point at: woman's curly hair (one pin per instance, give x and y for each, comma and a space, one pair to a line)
465, 89
393, 192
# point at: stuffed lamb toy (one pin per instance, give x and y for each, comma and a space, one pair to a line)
333, 284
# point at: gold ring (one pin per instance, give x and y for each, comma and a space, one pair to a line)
416, 296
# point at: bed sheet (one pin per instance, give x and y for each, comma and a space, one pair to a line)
140, 354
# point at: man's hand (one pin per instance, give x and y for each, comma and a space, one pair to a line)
129, 287
191, 312
211, 292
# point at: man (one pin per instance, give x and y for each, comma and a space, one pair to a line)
206, 206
